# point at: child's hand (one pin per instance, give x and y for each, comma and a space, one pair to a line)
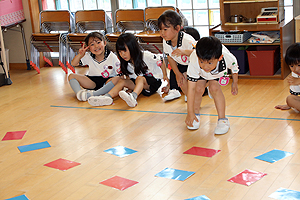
234, 89
190, 119
177, 52
82, 50
293, 80
180, 79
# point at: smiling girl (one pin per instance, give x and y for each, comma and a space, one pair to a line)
103, 65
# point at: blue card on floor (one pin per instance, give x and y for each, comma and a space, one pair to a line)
284, 194
120, 151
22, 197
35, 146
274, 155
175, 174
202, 197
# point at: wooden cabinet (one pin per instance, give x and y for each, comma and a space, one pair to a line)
250, 9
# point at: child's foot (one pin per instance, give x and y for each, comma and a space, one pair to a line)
196, 124
128, 98
83, 95
222, 126
100, 100
173, 94
209, 93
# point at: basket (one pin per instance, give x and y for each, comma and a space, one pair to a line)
233, 37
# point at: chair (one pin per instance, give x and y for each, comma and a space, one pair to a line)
86, 21
126, 20
54, 26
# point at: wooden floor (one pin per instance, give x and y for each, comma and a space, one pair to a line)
45, 106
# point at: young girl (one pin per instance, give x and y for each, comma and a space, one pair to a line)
141, 69
103, 65
292, 58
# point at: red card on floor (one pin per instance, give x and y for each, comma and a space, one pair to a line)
199, 151
62, 164
247, 177
15, 135
119, 183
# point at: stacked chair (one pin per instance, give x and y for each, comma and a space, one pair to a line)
54, 27
86, 21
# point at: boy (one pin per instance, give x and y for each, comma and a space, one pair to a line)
209, 63
292, 58
170, 24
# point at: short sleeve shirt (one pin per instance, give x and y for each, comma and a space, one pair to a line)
109, 67
184, 41
295, 89
228, 61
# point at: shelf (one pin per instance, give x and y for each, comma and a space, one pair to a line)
249, 1
251, 44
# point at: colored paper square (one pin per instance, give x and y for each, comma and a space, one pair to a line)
35, 146
21, 197
199, 151
285, 194
274, 155
247, 177
62, 164
202, 197
119, 183
175, 174
15, 135
120, 151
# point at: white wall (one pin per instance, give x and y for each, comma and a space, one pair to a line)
13, 39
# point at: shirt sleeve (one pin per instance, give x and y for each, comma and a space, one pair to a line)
231, 61
193, 70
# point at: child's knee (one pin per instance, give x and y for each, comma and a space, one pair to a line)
199, 90
71, 76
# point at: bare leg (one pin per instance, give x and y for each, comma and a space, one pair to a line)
219, 99
293, 101
84, 81
200, 88
120, 85
140, 84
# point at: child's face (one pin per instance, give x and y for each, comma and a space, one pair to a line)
209, 65
96, 46
125, 54
295, 68
169, 33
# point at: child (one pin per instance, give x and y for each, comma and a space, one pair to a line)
292, 58
209, 63
103, 65
170, 24
139, 67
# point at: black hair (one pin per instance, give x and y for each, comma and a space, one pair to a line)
192, 31
93, 35
208, 48
292, 55
169, 18
136, 54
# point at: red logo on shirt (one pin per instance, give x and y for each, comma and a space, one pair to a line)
105, 74
184, 58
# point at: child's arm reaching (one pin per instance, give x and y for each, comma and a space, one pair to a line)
81, 53
179, 52
234, 86
190, 104
293, 80
179, 76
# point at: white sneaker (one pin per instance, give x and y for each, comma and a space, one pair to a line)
172, 94
84, 94
222, 127
128, 98
185, 98
209, 93
196, 124
100, 100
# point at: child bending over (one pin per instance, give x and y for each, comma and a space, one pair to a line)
209, 63
292, 58
141, 69
103, 65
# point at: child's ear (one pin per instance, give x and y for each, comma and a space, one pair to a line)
221, 57
178, 28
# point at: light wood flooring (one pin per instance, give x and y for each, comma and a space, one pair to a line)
45, 106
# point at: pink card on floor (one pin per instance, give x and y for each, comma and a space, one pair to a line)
15, 135
199, 151
62, 164
119, 183
247, 177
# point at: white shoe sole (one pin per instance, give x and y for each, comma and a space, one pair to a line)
79, 96
222, 132
127, 99
96, 101
169, 98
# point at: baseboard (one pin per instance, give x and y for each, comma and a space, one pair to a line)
17, 66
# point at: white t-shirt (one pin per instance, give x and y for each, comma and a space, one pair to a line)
229, 61
109, 67
185, 41
152, 61
295, 89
